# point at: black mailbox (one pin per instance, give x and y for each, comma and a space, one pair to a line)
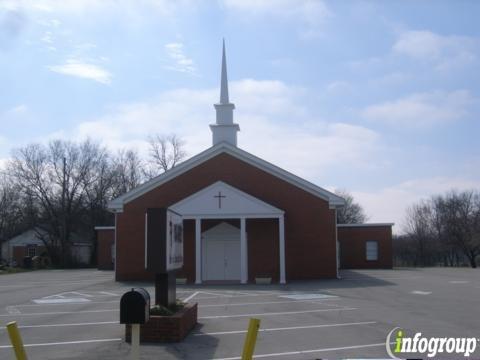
135, 307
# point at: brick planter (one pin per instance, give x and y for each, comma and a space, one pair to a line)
172, 328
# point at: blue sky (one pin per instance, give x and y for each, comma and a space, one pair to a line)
377, 97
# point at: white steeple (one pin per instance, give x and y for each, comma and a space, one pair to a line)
224, 129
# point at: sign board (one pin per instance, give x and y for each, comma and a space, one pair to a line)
163, 240
174, 250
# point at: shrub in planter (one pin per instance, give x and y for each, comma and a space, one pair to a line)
167, 324
161, 310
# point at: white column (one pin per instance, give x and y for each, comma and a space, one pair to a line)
198, 251
337, 246
281, 232
243, 252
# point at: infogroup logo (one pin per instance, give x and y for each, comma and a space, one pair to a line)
398, 344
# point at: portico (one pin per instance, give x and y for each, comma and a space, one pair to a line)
221, 201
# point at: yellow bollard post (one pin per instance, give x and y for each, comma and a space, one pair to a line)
250, 339
16, 341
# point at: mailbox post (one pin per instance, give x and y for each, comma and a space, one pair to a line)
135, 310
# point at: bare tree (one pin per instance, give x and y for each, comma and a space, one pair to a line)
11, 217
352, 212
99, 188
462, 218
445, 228
165, 153
418, 227
128, 172
54, 177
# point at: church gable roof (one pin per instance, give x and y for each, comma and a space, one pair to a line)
117, 204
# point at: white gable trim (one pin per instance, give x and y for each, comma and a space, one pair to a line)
243, 205
117, 204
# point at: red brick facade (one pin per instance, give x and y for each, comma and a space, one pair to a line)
353, 247
105, 241
172, 328
20, 252
310, 245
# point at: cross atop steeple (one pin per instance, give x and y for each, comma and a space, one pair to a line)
224, 130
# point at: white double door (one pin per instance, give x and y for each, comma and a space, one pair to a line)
221, 253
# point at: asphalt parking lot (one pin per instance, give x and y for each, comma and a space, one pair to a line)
73, 314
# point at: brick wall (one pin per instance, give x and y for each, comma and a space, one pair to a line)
309, 223
19, 252
353, 247
263, 249
105, 240
172, 328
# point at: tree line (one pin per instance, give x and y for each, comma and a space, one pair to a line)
443, 230
63, 188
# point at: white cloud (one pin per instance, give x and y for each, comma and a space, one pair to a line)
391, 203
390, 79
312, 14
18, 110
339, 87
274, 125
165, 7
3, 163
420, 44
445, 52
4, 147
81, 69
422, 109
47, 37
181, 62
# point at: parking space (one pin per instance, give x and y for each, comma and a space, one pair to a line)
74, 314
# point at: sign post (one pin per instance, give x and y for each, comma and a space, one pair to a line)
164, 251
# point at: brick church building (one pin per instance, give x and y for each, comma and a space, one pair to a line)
243, 217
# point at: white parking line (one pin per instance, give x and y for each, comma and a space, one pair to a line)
261, 303
216, 294
300, 352
191, 296
64, 343
207, 297
379, 278
274, 313
12, 310
236, 292
245, 294
418, 292
62, 325
59, 312
40, 283
68, 304
62, 301
287, 328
